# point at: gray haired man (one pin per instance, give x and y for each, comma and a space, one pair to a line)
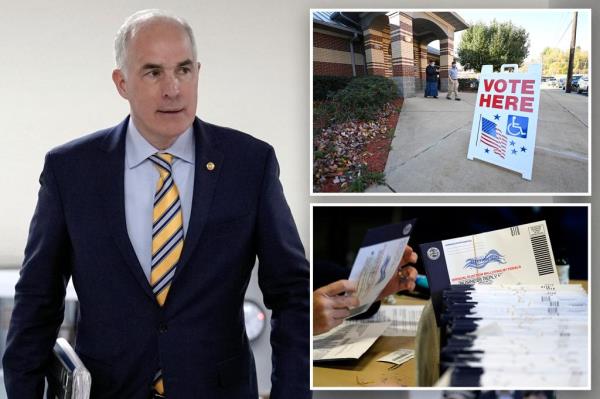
159, 221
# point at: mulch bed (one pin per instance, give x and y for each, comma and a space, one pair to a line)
343, 151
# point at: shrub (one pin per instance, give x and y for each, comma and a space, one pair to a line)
363, 97
323, 115
325, 86
366, 179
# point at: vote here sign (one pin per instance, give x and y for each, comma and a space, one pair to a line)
505, 119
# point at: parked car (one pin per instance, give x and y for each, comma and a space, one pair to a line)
574, 80
551, 82
582, 85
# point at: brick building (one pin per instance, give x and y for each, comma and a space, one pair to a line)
392, 44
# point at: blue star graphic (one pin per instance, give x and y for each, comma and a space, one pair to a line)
497, 117
514, 151
523, 149
487, 150
512, 143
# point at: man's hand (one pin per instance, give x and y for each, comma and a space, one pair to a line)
406, 275
330, 308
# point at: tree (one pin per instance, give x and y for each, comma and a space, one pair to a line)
556, 61
495, 44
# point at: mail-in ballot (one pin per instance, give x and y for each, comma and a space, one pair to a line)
505, 119
377, 261
516, 255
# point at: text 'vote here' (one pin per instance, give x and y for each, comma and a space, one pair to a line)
510, 94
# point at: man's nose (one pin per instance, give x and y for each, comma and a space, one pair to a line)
171, 85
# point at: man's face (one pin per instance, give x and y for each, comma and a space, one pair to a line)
160, 81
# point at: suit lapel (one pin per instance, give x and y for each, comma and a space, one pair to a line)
111, 181
205, 182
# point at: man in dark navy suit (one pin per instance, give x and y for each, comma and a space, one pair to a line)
158, 221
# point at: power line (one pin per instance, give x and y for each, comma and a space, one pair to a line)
561, 37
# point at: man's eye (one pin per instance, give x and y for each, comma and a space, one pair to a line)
153, 73
185, 70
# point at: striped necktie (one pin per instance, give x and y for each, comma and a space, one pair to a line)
167, 236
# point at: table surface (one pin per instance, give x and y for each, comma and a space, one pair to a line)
367, 371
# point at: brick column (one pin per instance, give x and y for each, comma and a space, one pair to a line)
387, 55
446, 57
420, 64
403, 64
374, 51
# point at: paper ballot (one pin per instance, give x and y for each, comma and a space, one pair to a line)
403, 319
347, 341
377, 261
517, 336
398, 357
515, 255
353, 338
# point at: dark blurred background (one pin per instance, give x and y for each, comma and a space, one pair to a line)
338, 230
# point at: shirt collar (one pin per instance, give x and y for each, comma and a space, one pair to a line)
138, 149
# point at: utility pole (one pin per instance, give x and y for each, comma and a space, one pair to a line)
571, 53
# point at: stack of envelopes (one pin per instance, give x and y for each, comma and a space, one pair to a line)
527, 336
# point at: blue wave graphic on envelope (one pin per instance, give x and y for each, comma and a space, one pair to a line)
386, 263
479, 262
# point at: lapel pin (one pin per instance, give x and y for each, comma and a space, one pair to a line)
210, 166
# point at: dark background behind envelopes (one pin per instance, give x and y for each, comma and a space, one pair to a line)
339, 230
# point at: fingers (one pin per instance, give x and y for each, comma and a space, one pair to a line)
329, 308
325, 321
408, 285
340, 314
408, 277
409, 256
340, 302
329, 295
338, 287
408, 273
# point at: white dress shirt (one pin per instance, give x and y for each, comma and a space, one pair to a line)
141, 177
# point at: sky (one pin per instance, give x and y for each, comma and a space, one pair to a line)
547, 28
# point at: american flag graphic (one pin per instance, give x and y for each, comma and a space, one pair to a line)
493, 137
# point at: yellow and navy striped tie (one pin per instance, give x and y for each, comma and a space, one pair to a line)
167, 236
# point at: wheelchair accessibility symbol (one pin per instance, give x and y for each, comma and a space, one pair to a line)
517, 126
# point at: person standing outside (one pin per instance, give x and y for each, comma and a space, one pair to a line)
453, 82
431, 80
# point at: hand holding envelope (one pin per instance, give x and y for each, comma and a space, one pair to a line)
376, 264
331, 307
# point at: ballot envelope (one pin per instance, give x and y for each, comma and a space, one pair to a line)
377, 260
67, 376
515, 255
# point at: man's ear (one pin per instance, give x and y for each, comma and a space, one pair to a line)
118, 78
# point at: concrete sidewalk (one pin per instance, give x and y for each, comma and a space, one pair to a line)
429, 150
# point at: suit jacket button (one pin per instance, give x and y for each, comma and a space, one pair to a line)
162, 328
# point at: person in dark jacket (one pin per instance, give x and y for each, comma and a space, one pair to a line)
159, 221
431, 73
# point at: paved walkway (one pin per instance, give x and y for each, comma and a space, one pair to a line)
429, 150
